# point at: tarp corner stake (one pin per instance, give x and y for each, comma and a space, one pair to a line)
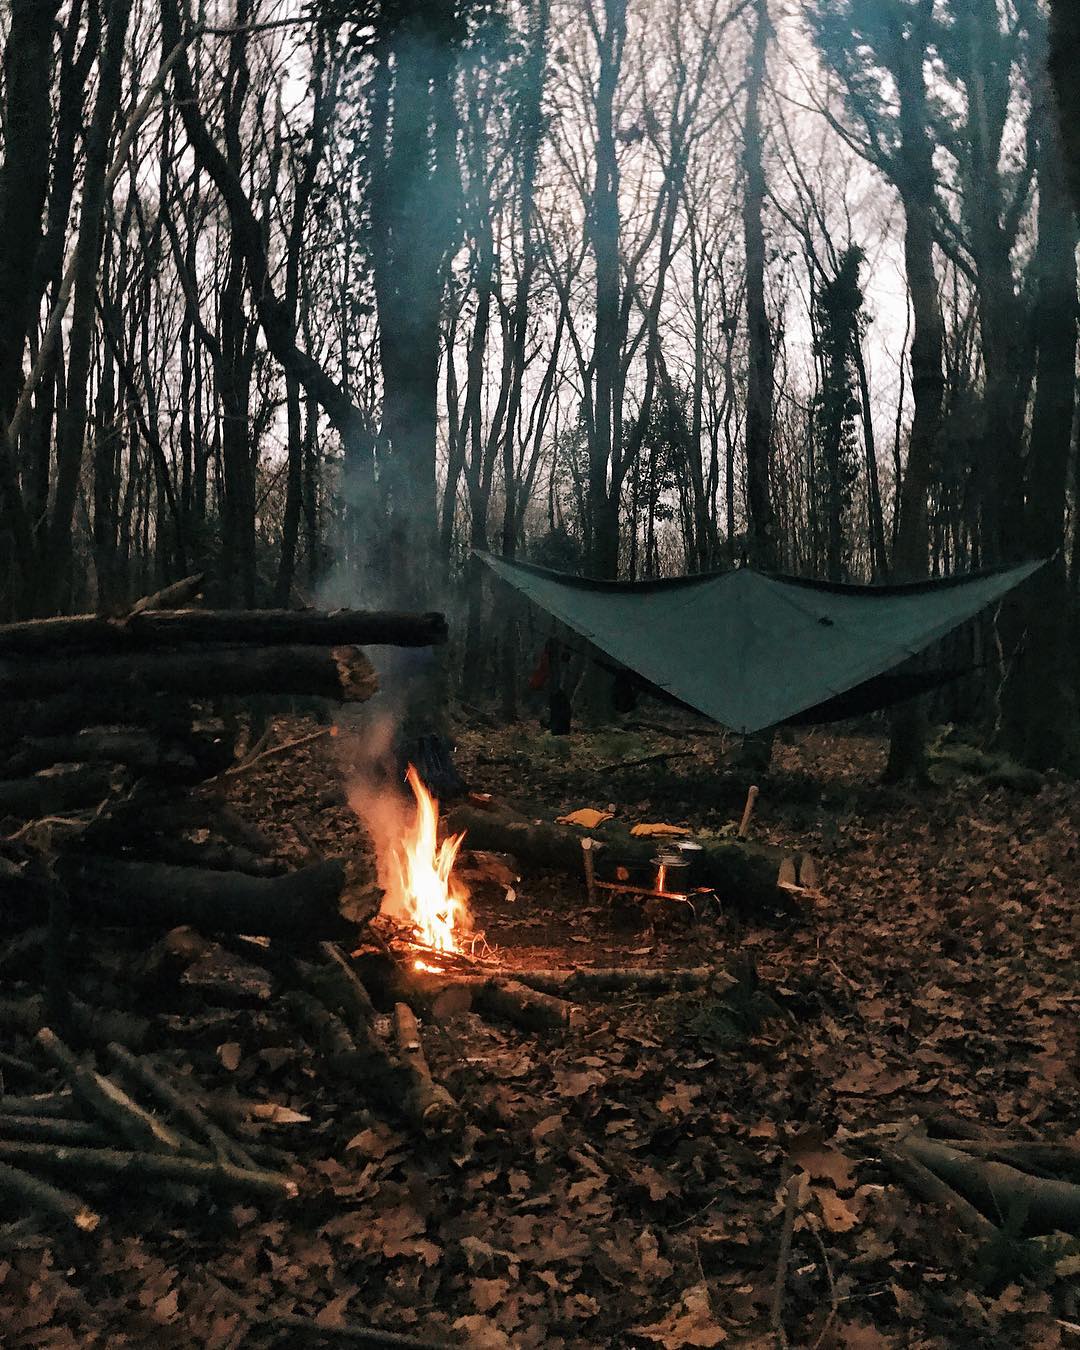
751, 650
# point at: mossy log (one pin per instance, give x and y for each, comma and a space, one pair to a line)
744, 875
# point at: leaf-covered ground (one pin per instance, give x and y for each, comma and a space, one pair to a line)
624, 1185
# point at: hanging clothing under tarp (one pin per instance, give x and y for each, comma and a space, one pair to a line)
752, 650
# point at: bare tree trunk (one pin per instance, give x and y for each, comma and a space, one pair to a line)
24, 178
603, 503
759, 389
1040, 704
56, 577
1065, 70
906, 749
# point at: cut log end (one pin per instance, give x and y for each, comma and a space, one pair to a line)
355, 673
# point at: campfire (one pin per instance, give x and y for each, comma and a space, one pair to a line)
425, 902
423, 887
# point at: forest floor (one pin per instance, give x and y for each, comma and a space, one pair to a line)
624, 1184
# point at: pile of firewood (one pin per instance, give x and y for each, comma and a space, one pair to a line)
117, 740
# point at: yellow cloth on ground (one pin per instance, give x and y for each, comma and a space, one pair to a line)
586, 817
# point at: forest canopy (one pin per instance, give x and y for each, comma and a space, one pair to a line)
321, 298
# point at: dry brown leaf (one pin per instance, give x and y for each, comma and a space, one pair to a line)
488, 1294
810, 1152
276, 1114
482, 1334
547, 1126
689, 1323
230, 1055
839, 1218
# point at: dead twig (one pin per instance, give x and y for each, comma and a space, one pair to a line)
783, 1259
646, 759
260, 756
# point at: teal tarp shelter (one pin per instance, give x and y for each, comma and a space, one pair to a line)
752, 650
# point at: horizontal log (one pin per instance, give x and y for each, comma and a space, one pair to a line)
53, 792
141, 1168
929, 1187
94, 1026
40, 1197
86, 633
1033, 1155
625, 979
138, 750
51, 1130
52, 1104
744, 874
155, 895
503, 999
341, 673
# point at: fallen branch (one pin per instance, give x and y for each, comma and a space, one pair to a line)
174, 595
96, 1026
516, 1003
55, 791
928, 1186
646, 759
344, 988
181, 1106
625, 979
40, 1196
294, 1327
429, 1101
51, 1129
1048, 1205
107, 1163
138, 750
52, 1104
274, 752
1027, 1154
108, 1101
506, 1000
364, 1061
783, 1261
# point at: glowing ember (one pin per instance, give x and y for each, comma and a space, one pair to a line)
661, 877
431, 897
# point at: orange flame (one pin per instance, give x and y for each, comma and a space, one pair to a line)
422, 869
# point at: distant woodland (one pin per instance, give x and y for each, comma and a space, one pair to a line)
318, 299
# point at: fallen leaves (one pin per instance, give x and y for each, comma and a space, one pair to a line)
819, 1160
618, 1187
230, 1055
689, 1323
